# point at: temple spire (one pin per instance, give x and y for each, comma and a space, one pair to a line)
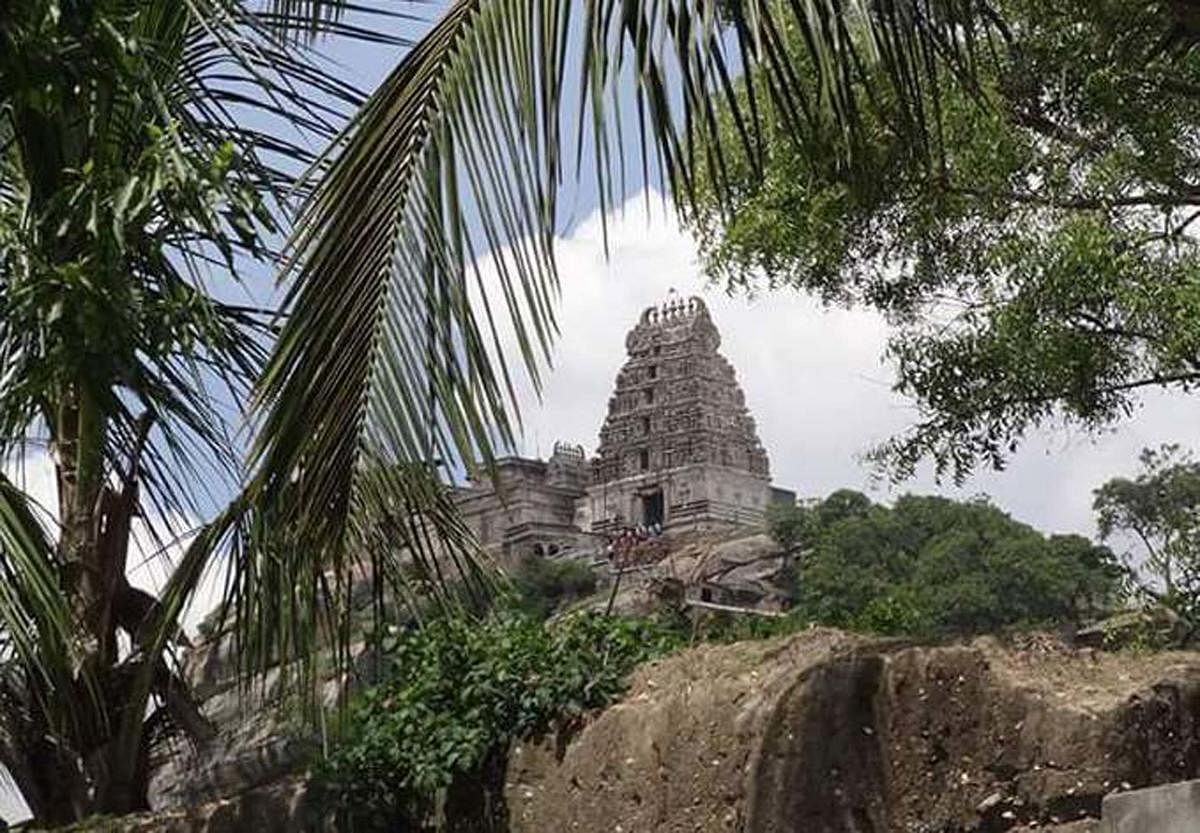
678, 412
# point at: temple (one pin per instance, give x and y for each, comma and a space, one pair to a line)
529, 505
678, 451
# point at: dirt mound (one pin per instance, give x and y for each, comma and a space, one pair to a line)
830, 733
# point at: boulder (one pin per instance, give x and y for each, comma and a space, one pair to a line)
836, 733
1172, 808
280, 807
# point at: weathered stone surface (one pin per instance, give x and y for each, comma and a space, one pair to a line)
281, 807
676, 379
835, 733
826, 732
742, 566
1171, 808
748, 571
254, 746
678, 446
529, 508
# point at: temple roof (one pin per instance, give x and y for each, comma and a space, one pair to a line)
676, 400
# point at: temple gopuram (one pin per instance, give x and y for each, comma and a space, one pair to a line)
678, 451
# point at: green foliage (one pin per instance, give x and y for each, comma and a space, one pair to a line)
1159, 510
1045, 268
930, 565
725, 628
543, 585
1146, 630
141, 170
459, 691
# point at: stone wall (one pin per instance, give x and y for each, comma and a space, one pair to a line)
532, 504
695, 497
1172, 808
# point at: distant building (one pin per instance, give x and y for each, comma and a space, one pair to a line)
531, 505
678, 450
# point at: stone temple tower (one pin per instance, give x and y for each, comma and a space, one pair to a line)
678, 446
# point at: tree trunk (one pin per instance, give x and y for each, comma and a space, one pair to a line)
85, 510
53, 786
80, 460
96, 512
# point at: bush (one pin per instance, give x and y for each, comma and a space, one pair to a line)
932, 566
459, 692
544, 585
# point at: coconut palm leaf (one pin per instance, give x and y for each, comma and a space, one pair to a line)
36, 627
397, 360
149, 152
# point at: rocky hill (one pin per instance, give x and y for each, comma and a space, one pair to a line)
826, 732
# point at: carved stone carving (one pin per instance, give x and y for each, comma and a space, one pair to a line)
676, 401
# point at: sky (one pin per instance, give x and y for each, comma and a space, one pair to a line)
814, 380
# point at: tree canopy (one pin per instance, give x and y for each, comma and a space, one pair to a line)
1035, 248
1159, 509
931, 565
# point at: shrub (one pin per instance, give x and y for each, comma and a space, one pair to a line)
544, 585
458, 692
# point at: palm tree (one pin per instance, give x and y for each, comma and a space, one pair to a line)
134, 191
142, 168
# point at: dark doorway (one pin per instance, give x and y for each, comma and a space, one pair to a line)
652, 508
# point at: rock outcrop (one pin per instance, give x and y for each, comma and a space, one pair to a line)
835, 733
744, 568
253, 747
279, 807
828, 732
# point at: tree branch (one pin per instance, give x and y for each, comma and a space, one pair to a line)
1191, 196
1150, 381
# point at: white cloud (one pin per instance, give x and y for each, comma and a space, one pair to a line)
813, 378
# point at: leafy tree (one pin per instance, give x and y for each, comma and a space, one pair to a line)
1035, 248
932, 565
1160, 509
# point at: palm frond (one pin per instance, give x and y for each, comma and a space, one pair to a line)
395, 356
37, 627
388, 369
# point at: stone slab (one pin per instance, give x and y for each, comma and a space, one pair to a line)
1172, 808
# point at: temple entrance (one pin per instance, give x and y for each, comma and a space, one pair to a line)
652, 508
